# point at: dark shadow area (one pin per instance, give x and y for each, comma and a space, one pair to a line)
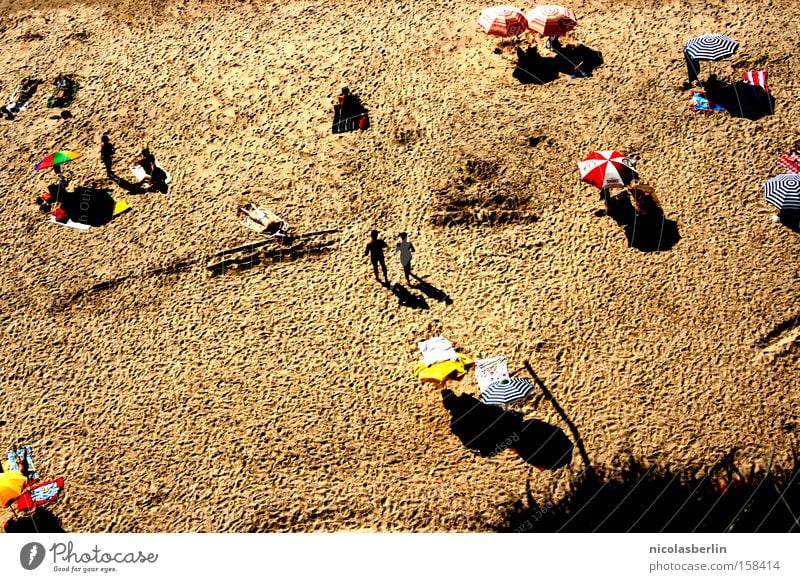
406, 298
740, 99
89, 205
349, 114
790, 219
133, 188
485, 429
652, 233
274, 254
644, 499
577, 60
563, 415
543, 445
40, 521
431, 291
573, 60
643, 220
534, 69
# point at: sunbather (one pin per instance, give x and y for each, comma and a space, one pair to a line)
19, 97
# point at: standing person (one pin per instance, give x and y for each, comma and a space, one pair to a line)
406, 250
375, 251
107, 151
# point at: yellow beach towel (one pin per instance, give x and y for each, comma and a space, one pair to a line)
440, 371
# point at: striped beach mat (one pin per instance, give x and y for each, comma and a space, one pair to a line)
757, 78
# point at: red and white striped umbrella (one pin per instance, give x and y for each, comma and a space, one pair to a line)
551, 20
607, 169
503, 20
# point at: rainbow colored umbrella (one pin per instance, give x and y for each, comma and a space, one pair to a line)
56, 159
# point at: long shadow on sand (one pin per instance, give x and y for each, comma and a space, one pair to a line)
406, 298
646, 499
431, 291
573, 60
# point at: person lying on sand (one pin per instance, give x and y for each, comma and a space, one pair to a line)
19, 97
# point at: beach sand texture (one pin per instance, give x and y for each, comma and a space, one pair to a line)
280, 398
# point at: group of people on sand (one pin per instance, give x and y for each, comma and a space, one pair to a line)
404, 248
63, 91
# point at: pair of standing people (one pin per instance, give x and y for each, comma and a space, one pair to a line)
375, 251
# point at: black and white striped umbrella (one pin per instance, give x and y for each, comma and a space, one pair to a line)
711, 47
506, 391
783, 191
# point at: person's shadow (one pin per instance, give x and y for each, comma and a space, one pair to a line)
431, 291
406, 298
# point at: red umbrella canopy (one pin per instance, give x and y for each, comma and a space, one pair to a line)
607, 169
551, 20
503, 20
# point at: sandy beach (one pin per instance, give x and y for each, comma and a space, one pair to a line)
280, 397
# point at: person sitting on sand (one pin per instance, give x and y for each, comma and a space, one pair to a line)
19, 97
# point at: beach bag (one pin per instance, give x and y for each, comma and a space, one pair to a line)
363, 122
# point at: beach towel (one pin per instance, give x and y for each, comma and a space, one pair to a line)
790, 161
757, 78
41, 494
10, 463
140, 174
441, 371
67, 100
489, 370
701, 103
120, 206
436, 349
71, 223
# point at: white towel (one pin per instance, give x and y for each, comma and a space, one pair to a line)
71, 223
488, 370
436, 349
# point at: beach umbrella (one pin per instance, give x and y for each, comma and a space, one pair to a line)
783, 191
503, 20
506, 391
11, 484
711, 47
56, 159
607, 169
551, 20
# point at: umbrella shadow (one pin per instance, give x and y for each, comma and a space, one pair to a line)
431, 291
89, 205
406, 298
573, 60
647, 229
486, 429
790, 219
740, 99
40, 521
543, 445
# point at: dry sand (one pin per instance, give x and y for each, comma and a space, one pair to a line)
281, 397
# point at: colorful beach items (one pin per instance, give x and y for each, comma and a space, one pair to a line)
711, 47
503, 20
607, 169
12, 461
506, 391
551, 20
40, 494
11, 485
488, 370
783, 191
790, 160
56, 159
701, 103
442, 371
